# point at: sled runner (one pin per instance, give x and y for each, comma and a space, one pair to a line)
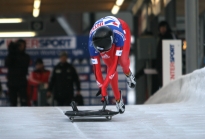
89, 113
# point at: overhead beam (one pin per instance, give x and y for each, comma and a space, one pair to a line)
59, 10
25, 7
16, 10
65, 25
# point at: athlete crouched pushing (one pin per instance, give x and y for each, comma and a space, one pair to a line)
110, 39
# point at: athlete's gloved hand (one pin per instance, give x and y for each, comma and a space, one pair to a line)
131, 80
104, 98
99, 92
102, 91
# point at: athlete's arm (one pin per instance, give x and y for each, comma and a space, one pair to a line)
111, 69
97, 70
95, 59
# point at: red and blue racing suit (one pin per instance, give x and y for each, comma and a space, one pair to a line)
118, 54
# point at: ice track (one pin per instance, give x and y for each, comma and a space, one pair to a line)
177, 111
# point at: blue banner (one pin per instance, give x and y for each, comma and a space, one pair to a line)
49, 49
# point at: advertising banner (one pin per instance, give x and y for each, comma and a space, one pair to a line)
49, 49
51, 46
172, 60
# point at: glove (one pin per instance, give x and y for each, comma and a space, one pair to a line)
99, 92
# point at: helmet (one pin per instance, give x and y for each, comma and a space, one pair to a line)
103, 39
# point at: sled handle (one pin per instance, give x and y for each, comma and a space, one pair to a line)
104, 106
73, 105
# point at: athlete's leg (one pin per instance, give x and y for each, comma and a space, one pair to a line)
118, 96
114, 85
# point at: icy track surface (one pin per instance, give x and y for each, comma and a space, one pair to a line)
168, 121
177, 111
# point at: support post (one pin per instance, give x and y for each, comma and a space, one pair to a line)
191, 24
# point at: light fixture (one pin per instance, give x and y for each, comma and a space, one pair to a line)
119, 2
36, 8
149, 10
11, 20
37, 4
36, 12
17, 34
115, 9
184, 45
155, 2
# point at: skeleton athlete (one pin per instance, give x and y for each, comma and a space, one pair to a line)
110, 39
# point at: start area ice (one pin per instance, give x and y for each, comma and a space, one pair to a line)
177, 111
156, 121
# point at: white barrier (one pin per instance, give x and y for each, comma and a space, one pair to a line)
189, 88
172, 60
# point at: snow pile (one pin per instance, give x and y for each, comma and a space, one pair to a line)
189, 88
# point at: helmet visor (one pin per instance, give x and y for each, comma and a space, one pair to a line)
104, 44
